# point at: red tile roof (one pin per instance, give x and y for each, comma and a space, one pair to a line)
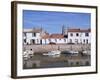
53, 36
56, 36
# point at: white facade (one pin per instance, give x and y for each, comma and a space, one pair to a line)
38, 36
53, 40
79, 37
32, 37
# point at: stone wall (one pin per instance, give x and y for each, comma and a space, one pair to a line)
67, 47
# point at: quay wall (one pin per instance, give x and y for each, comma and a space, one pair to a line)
65, 47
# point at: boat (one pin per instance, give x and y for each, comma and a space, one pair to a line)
28, 53
53, 53
73, 52
87, 52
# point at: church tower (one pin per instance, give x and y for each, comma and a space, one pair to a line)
64, 30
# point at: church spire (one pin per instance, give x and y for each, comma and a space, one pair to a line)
63, 26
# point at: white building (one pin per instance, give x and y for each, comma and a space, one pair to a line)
54, 39
79, 36
39, 36
32, 36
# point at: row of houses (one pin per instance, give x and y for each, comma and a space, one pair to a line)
68, 35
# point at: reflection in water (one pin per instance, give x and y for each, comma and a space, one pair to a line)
66, 59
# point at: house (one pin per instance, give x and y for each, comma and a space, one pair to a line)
79, 36
68, 35
54, 38
32, 36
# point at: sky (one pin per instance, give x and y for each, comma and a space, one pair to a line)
52, 22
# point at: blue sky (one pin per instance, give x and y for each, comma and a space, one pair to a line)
52, 22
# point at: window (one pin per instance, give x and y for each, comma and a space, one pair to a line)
84, 40
71, 34
77, 34
65, 36
86, 34
87, 41
40, 41
34, 34
32, 41
24, 40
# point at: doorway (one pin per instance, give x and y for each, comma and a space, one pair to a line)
32, 41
